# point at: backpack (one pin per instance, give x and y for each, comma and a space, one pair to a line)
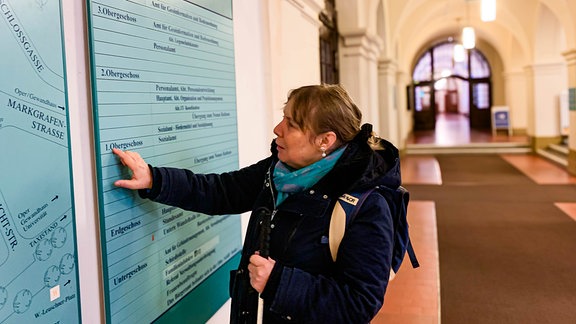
347, 207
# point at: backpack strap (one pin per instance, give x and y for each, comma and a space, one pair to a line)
336, 230
344, 211
412, 255
402, 241
409, 247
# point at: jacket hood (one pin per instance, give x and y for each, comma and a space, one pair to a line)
360, 167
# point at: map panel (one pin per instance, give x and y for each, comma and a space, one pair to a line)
38, 259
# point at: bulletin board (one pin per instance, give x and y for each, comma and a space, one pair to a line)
163, 85
38, 258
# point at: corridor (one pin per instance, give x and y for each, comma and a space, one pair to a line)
416, 295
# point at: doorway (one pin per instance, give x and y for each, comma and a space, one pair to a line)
444, 85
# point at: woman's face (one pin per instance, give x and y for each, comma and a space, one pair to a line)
295, 147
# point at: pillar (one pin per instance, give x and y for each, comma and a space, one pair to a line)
516, 100
388, 107
544, 118
359, 72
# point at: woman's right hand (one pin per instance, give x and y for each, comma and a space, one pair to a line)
141, 175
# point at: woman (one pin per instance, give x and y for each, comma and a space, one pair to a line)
320, 153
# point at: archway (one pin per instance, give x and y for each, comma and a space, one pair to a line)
444, 83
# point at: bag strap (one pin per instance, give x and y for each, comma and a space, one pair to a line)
337, 227
409, 248
340, 219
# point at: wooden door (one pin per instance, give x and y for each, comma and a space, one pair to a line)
480, 103
424, 106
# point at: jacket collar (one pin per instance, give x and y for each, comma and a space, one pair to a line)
360, 167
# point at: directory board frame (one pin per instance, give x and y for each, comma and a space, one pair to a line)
163, 85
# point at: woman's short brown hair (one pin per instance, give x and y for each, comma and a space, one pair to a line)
324, 108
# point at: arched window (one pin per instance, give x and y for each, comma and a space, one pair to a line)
479, 66
423, 71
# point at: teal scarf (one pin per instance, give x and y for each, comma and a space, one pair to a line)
288, 181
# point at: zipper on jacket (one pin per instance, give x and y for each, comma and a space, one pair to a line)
269, 185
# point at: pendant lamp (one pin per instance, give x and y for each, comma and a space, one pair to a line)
488, 10
468, 37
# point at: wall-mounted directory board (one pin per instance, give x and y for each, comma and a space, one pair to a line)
38, 267
163, 86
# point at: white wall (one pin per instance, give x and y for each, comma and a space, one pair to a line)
252, 81
549, 82
82, 148
293, 48
276, 50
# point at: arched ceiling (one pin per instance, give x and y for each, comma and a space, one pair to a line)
406, 27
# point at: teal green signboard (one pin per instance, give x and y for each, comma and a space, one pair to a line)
38, 259
572, 99
163, 86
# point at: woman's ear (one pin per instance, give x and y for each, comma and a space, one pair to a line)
327, 140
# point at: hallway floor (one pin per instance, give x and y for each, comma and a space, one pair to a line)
414, 295
453, 129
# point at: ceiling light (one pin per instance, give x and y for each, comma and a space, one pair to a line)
468, 37
488, 10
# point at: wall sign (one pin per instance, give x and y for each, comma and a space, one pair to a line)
164, 86
38, 267
572, 99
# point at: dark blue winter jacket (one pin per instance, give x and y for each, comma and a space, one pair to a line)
305, 286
